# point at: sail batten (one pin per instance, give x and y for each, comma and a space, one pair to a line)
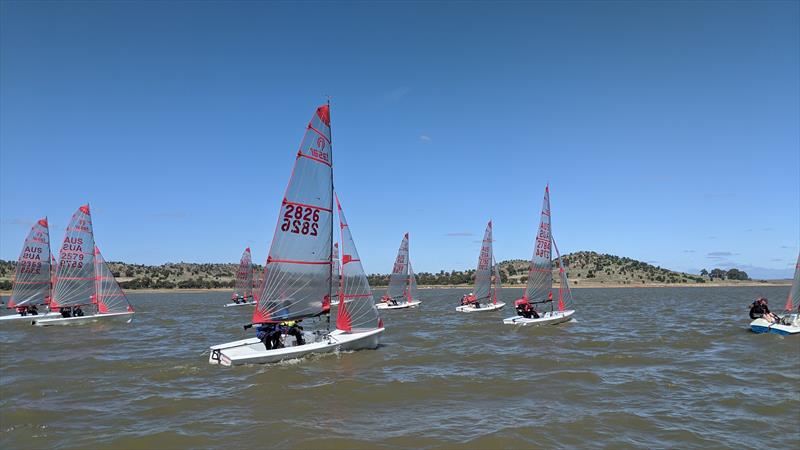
32, 275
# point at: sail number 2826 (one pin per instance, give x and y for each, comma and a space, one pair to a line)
300, 220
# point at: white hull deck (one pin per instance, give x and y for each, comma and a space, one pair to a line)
412, 304
484, 307
126, 317
250, 303
548, 318
16, 318
762, 326
252, 351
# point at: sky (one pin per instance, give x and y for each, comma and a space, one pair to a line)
669, 132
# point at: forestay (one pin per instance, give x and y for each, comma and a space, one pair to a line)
483, 274
109, 297
243, 286
32, 277
540, 275
398, 280
75, 282
357, 310
298, 269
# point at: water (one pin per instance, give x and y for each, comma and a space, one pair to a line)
672, 367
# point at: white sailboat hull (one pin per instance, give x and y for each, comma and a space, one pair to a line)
548, 318
250, 303
126, 317
762, 326
16, 318
484, 307
412, 304
252, 351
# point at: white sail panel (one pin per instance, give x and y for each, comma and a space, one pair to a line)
540, 274
413, 295
398, 280
356, 307
794, 294
110, 298
32, 276
75, 282
297, 276
483, 274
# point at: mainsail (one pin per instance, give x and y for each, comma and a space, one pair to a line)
540, 275
356, 306
794, 293
483, 274
398, 280
243, 286
109, 296
32, 276
297, 276
75, 282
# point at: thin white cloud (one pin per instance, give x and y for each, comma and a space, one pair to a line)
397, 93
170, 215
424, 138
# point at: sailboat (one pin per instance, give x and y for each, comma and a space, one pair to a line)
790, 322
402, 290
84, 280
487, 280
297, 276
539, 289
243, 286
32, 285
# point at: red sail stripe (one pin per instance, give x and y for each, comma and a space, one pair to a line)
287, 202
357, 295
301, 154
76, 278
319, 133
290, 261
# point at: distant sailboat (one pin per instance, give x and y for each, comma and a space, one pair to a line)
789, 323
33, 279
243, 286
539, 289
297, 277
487, 280
402, 290
84, 280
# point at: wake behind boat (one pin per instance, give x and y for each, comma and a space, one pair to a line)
789, 323
487, 287
298, 274
539, 290
402, 291
243, 286
84, 280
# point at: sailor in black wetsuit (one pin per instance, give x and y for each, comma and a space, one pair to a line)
759, 309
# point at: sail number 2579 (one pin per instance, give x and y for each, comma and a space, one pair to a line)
300, 220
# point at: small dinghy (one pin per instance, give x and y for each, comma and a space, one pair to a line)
243, 286
298, 274
487, 280
790, 321
33, 281
402, 291
539, 289
84, 280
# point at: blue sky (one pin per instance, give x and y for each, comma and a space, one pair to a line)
669, 132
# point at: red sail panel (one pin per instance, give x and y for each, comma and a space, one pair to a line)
243, 286
540, 274
33, 272
398, 280
483, 274
356, 306
110, 298
297, 276
75, 280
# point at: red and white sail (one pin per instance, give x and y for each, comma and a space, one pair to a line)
357, 310
483, 274
75, 282
109, 296
794, 294
243, 285
297, 275
398, 280
540, 274
32, 276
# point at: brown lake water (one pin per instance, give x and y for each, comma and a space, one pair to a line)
638, 368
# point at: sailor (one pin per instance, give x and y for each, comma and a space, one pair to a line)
759, 309
22, 310
33, 310
77, 311
292, 328
525, 309
270, 335
65, 311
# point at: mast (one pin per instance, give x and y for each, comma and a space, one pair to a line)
330, 282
